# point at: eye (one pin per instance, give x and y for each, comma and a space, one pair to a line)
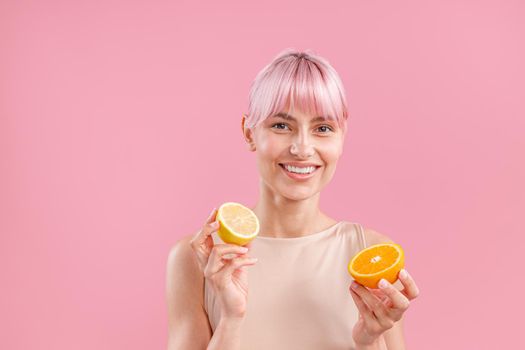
326, 126
278, 124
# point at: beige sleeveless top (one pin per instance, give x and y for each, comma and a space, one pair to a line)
298, 291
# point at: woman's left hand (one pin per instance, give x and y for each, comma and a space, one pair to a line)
380, 308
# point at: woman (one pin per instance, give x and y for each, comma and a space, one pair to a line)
298, 294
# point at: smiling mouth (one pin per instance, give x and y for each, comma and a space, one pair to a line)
304, 174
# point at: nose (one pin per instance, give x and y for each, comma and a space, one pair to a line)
302, 147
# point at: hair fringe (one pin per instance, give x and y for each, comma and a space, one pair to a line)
301, 79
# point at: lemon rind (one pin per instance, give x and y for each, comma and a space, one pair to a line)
219, 212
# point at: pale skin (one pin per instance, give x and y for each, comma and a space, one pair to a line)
285, 206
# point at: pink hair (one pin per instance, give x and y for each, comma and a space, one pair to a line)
302, 79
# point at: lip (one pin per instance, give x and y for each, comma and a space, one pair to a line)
299, 176
301, 165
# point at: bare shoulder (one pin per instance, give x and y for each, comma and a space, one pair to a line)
181, 248
188, 324
183, 263
374, 237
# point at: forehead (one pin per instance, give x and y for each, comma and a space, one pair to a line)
286, 116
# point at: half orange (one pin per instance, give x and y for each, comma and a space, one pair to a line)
378, 261
237, 224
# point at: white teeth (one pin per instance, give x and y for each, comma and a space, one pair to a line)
294, 169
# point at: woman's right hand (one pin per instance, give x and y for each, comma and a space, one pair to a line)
223, 267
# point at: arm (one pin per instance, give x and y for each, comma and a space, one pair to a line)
393, 338
188, 325
227, 335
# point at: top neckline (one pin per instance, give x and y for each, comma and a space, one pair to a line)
305, 238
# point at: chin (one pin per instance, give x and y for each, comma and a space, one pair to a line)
298, 194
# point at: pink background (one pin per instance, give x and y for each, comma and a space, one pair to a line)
120, 131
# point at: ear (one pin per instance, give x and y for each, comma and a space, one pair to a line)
248, 134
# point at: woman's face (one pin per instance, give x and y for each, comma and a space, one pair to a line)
301, 140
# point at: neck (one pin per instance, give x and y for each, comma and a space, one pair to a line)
287, 218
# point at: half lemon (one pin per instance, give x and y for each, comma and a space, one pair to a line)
237, 224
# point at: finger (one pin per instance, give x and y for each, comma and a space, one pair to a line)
400, 302
207, 229
361, 305
223, 249
364, 311
375, 304
411, 291
233, 265
216, 262
384, 298
234, 255
365, 294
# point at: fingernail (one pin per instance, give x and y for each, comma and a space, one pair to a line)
244, 249
215, 224
383, 283
354, 285
403, 273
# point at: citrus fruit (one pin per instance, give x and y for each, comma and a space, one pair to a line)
378, 261
237, 223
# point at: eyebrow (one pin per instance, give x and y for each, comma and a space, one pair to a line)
289, 117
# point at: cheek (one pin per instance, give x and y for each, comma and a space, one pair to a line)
269, 147
331, 152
